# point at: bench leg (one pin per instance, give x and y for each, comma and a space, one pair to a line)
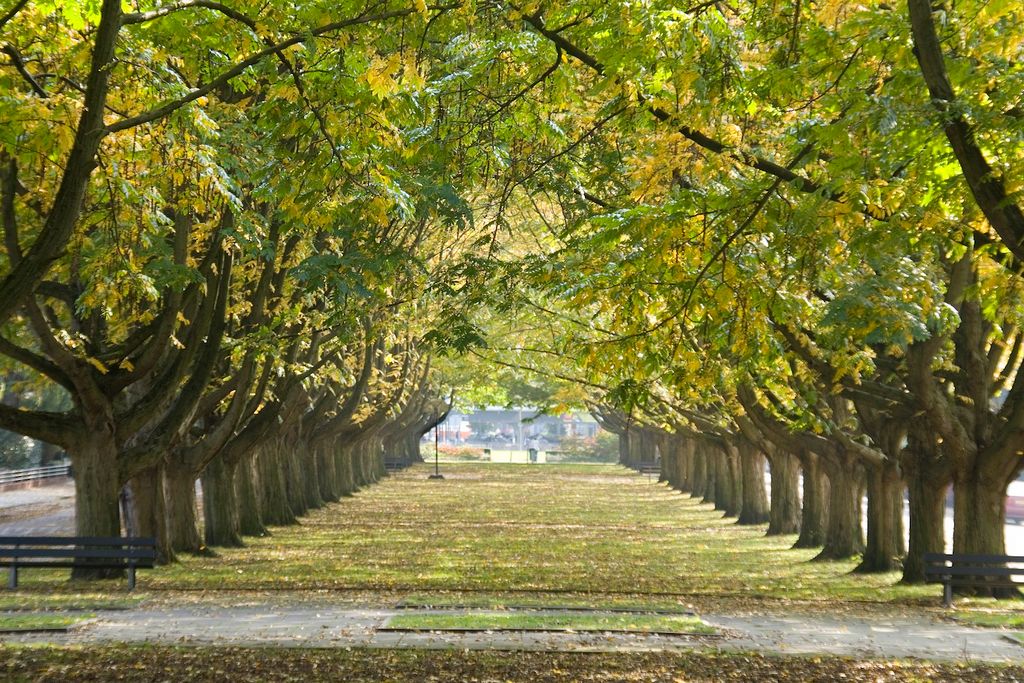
947, 594
12, 577
131, 578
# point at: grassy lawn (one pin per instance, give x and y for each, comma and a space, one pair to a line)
549, 622
149, 663
493, 528
495, 535
38, 622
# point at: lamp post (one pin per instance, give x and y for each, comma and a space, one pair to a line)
437, 472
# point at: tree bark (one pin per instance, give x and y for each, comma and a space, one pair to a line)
669, 465
97, 489
147, 513
927, 524
275, 507
784, 512
250, 514
222, 522
979, 516
180, 492
330, 491
309, 473
814, 516
754, 509
700, 474
295, 485
712, 474
734, 482
884, 548
684, 466
343, 464
844, 537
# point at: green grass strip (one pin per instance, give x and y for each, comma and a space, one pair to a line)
531, 621
1015, 621
597, 603
40, 622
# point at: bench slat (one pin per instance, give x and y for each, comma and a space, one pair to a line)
132, 553
64, 564
973, 571
956, 559
77, 540
983, 584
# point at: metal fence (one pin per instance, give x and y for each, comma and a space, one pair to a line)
34, 473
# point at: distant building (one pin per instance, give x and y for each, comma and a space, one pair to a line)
513, 427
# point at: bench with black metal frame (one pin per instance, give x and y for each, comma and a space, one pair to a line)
19, 552
977, 571
648, 467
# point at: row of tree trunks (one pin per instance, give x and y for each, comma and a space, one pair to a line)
784, 509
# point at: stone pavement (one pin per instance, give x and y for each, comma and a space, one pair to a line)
283, 626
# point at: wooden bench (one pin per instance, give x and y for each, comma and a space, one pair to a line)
17, 552
648, 468
970, 570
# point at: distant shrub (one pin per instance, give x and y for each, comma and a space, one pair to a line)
450, 452
601, 448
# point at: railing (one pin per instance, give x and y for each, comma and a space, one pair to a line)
34, 473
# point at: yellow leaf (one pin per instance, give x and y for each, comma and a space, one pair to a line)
381, 75
96, 363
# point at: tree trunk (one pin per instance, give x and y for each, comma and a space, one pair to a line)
368, 455
784, 511
700, 474
979, 516
222, 523
844, 537
146, 515
330, 491
276, 507
723, 482
669, 469
295, 485
343, 465
684, 466
734, 482
927, 525
250, 514
755, 500
884, 546
696, 479
180, 492
814, 515
379, 471
97, 489
309, 473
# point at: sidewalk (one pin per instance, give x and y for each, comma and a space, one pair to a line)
862, 637
47, 510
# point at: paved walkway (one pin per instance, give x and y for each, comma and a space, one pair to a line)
46, 510
857, 636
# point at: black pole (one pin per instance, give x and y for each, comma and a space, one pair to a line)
437, 472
